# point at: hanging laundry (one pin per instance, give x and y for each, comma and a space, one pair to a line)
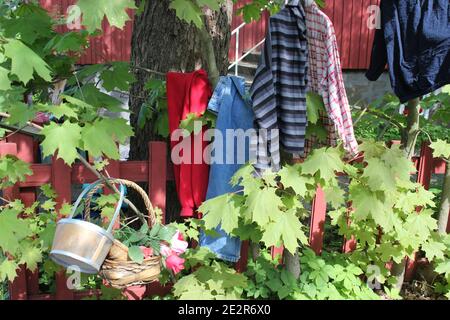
189, 93
414, 40
279, 88
325, 78
234, 137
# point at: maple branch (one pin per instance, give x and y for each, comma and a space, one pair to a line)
98, 174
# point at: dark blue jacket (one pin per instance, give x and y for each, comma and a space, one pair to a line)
415, 42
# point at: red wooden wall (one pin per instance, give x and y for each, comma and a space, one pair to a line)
349, 18
353, 36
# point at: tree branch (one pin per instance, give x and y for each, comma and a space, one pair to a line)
94, 171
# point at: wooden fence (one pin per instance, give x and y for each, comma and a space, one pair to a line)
156, 171
349, 17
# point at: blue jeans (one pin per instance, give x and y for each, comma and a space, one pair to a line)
234, 111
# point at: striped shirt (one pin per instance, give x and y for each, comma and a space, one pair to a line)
279, 88
325, 78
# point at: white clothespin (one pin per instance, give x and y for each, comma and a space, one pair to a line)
308, 2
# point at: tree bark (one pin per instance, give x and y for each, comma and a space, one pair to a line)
292, 263
162, 42
444, 208
409, 140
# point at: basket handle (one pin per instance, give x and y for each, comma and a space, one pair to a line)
89, 188
130, 184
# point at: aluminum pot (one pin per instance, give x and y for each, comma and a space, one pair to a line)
82, 245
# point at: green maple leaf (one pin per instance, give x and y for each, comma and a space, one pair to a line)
372, 149
24, 61
212, 4
8, 270
326, 161
63, 138
186, 284
188, 11
290, 177
421, 224
13, 230
48, 205
20, 114
365, 203
5, 83
441, 148
78, 102
30, 256
314, 103
188, 124
443, 268
286, 228
388, 251
335, 196
379, 176
98, 141
95, 11
262, 205
434, 249
401, 166
119, 77
47, 235
119, 129
59, 111
69, 41
13, 170
93, 97
220, 210
30, 22
100, 137
48, 191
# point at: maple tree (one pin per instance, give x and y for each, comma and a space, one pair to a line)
271, 209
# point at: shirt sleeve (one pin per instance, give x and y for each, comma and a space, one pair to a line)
262, 94
378, 59
218, 95
336, 101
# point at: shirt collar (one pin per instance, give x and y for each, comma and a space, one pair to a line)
293, 3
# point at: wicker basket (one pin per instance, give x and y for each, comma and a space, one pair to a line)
118, 270
120, 273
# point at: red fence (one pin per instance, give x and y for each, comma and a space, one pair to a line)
349, 18
62, 177
156, 171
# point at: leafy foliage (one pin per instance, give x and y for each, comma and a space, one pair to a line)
95, 11
27, 234
212, 280
191, 10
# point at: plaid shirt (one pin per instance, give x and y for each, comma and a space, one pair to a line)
279, 88
325, 78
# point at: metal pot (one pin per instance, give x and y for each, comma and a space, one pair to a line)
81, 244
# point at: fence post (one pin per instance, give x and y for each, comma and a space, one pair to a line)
62, 184
18, 287
424, 172
317, 225
157, 175
26, 151
157, 178
241, 264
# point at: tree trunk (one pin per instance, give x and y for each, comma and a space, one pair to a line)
292, 263
444, 208
163, 43
409, 140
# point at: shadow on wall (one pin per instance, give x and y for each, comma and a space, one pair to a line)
361, 90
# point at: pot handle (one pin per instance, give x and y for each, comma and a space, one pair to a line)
118, 207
